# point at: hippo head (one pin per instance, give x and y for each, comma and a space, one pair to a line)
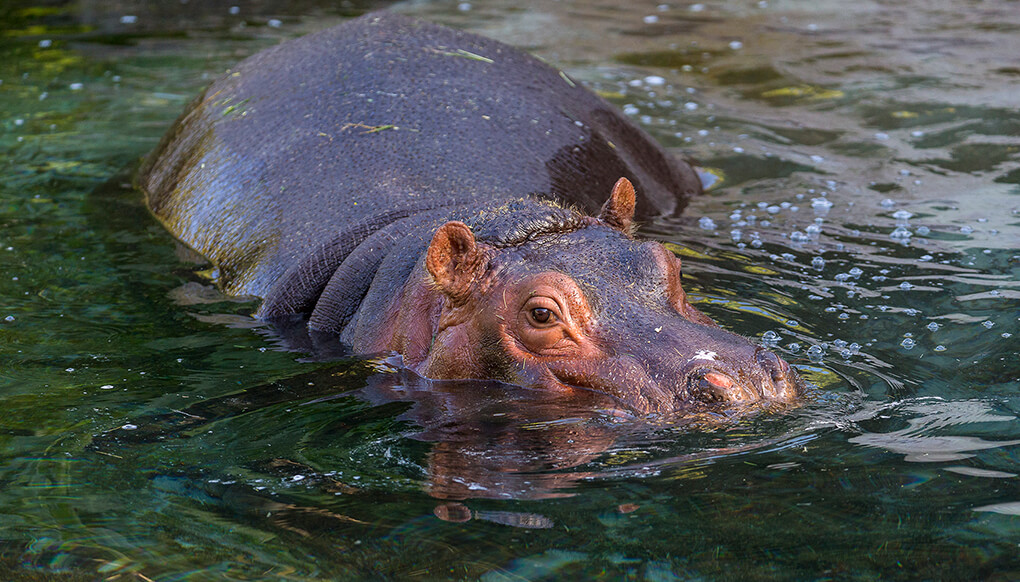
567, 302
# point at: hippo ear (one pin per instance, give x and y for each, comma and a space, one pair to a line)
618, 211
453, 259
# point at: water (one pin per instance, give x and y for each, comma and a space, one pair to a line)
866, 225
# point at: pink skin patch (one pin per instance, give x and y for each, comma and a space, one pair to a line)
718, 380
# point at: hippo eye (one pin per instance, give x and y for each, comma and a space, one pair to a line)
542, 315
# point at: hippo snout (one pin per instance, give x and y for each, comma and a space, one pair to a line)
763, 375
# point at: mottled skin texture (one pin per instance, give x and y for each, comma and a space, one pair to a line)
402, 185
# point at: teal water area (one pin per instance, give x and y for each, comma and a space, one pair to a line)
867, 226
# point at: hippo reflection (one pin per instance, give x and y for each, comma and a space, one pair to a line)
405, 187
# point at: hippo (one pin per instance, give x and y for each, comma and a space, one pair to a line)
405, 188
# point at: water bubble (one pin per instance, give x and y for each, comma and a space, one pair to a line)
735, 216
274, 23
130, 427
908, 343
650, 19
655, 80
821, 203
799, 237
106, 387
887, 203
901, 233
902, 215
933, 326
1006, 334
735, 235
817, 159
923, 230
234, 10
756, 243
696, 7
128, 19
630, 109
844, 316
940, 348
793, 347
738, 150
736, 45
966, 229
881, 136
76, 86
772, 210
841, 277
818, 263
856, 272
691, 106
906, 286
988, 324
45, 43
706, 223
9, 318
839, 343
770, 338
815, 353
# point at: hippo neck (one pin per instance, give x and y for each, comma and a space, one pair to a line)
401, 308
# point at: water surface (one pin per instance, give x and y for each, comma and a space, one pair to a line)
866, 226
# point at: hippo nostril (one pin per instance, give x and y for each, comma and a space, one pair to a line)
773, 365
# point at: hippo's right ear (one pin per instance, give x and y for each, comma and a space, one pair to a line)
454, 260
618, 211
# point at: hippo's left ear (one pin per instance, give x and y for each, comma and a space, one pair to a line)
454, 260
618, 211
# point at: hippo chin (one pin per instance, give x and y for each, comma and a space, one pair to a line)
403, 186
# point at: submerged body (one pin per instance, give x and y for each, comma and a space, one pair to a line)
401, 184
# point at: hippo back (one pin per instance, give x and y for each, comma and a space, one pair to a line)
285, 164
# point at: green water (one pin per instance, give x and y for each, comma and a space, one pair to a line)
868, 226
